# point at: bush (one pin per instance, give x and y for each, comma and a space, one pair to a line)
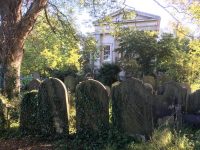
108, 74
70, 70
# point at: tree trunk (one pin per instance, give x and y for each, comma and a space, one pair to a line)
12, 77
14, 29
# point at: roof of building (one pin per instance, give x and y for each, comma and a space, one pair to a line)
147, 16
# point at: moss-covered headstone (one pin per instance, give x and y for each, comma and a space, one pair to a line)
172, 93
132, 108
28, 113
52, 107
151, 80
193, 103
33, 85
170, 100
92, 108
70, 83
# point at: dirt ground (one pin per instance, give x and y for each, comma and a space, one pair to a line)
25, 144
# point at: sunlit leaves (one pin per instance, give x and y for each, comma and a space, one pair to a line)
46, 49
195, 10
139, 45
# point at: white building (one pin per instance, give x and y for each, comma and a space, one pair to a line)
107, 43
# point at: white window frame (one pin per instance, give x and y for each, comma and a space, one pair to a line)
108, 55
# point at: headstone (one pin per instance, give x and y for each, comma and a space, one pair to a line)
92, 107
171, 97
108, 90
162, 78
172, 93
151, 80
193, 103
132, 108
36, 75
33, 85
149, 87
187, 87
70, 83
53, 107
28, 113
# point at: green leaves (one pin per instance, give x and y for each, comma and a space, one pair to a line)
46, 49
141, 46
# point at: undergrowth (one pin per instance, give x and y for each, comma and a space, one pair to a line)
165, 138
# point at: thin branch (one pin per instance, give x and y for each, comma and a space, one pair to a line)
61, 21
167, 11
177, 20
48, 21
26, 24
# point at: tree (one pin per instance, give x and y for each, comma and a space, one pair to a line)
141, 46
89, 54
48, 50
14, 29
17, 18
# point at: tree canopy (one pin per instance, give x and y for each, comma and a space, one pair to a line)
48, 50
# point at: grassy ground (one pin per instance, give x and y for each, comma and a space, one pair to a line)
162, 139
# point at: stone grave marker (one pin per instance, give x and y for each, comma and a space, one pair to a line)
53, 107
92, 107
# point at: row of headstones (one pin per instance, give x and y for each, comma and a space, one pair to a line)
134, 108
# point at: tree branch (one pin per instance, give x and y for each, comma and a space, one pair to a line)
177, 20
27, 22
48, 21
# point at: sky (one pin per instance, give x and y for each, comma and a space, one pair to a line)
148, 6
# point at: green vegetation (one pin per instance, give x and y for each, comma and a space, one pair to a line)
108, 74
144, 54
163, 138
46, 49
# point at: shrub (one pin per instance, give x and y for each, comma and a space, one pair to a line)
108, 74
70, 70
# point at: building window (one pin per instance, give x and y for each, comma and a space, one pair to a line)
106, 52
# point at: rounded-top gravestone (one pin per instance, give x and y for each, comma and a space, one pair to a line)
92, 107
169, 101
70, 83
53, 107
33, 85
28, 113
132, 108
151, 80
193, 103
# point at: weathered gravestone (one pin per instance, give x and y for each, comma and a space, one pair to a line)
108, 90
192, 110
28, 113
132, 108
70, 83
33, 85
52, 107
2, 117
92, 107
149, 87
151, 80
171, 97
192, 105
